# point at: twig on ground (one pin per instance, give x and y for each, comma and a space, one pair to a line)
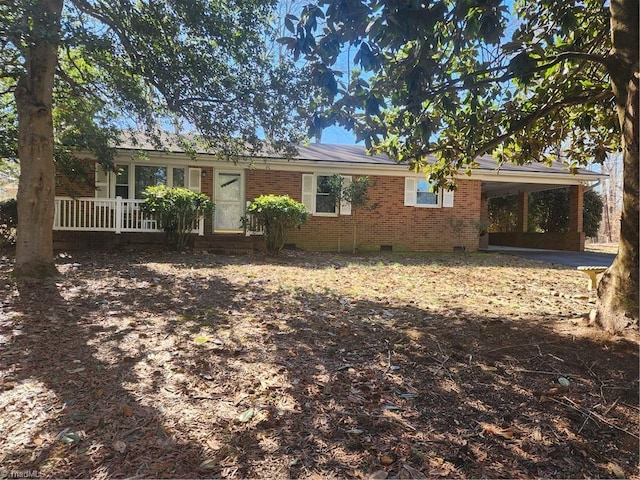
536, 344
612, 406
573, 405
546, 372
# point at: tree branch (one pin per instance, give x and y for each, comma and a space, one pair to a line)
541, 112
89, 10
454, 84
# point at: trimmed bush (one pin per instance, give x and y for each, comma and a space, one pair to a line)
8, 221
176, 210
277, 214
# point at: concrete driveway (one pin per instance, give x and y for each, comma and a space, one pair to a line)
559, 257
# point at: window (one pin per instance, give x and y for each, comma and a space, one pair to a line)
178, 177
418, 193
130, 181
122, 181
426, 194
324, 202
147, 176
316, 196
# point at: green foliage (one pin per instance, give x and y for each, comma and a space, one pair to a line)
449, 79
592, 213
548, 212
335, 185
356, 193
206, 66
277, 214
177, 211
8, 221
503, 214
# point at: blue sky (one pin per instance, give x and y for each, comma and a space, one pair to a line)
338, 136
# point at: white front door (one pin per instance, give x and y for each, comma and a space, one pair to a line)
229, 200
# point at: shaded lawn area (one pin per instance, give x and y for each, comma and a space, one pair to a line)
151, 364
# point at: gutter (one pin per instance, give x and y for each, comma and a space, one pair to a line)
588, 188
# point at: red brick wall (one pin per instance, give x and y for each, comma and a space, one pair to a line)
206, 180
262, 182
206, 187
573, 241
392, 224
67, 188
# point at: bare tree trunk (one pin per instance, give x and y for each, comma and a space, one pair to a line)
618, 299
36, 188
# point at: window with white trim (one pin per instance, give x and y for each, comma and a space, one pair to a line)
148, 176
178, 177
122, 181
317, 198
426, 194
323, 201
418, 192
129, 181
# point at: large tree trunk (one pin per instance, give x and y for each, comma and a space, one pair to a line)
36, 188
618, 301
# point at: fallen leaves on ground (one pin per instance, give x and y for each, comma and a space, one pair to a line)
143, 363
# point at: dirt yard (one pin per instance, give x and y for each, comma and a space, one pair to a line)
148, 364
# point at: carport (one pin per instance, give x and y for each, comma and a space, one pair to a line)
519, 181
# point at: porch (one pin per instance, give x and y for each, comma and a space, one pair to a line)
107, 223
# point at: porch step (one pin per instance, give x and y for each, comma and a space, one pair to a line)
229, 244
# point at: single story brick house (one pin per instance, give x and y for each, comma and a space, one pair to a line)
409, 216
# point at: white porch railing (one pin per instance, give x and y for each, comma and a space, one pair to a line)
106, 215
251, 224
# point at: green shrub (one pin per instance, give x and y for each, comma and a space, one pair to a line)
277, 214
8, 221
176, 210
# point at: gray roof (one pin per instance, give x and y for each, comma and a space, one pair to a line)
323, 152
357, 155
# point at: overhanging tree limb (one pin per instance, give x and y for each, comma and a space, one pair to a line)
538, 114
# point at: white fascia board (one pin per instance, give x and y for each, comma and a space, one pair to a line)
345, 168
349, 168
554, 178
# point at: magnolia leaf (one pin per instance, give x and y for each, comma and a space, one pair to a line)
246, 415
208, 464
507, 433
387, 458
71, 437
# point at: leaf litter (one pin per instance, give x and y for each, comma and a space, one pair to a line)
144, 363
